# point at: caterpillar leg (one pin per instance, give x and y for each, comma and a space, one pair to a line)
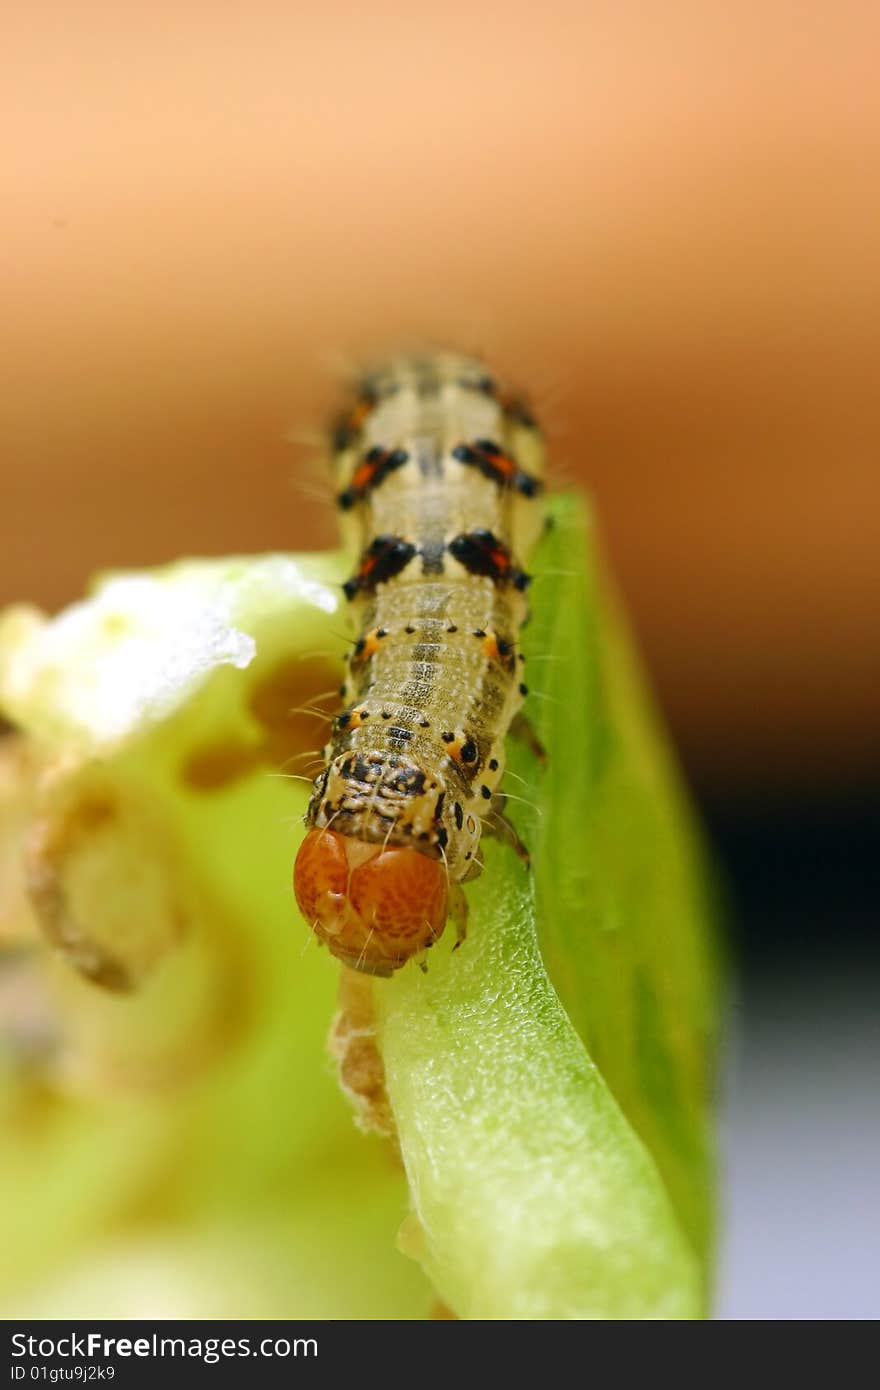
500, 828
458, 911
521, 729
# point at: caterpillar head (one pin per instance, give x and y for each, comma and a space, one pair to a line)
375, 907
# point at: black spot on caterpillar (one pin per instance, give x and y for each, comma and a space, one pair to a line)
383, 558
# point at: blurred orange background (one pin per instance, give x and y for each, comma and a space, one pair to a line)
661, 219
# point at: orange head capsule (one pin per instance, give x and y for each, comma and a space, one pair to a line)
374, 907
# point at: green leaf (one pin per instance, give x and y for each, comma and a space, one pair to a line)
628, 900
555, 1173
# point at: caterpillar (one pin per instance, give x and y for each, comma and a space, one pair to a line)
437, 470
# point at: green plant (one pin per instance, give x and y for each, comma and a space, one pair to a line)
549, 1084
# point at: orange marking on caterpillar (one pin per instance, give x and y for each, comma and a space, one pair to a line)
368, 645
490, 460
360, 413
352, 718
459, 747
372, 470
496, 648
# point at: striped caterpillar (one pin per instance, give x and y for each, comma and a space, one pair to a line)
436, 471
